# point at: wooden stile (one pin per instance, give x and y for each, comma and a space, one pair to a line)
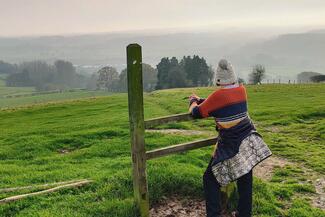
137, 129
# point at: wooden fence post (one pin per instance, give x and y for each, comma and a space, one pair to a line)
135, 101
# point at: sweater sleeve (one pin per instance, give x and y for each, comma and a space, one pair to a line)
208, 105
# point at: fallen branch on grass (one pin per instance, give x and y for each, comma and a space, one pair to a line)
70, 185
6, 190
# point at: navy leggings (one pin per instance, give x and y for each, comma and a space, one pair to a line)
212, 194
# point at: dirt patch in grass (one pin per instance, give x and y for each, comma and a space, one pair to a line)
319, 201
273, 129
177, 207
265, 169
185, 207
64, 151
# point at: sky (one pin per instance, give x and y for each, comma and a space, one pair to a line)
61, 17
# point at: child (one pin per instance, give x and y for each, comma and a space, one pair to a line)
239, 146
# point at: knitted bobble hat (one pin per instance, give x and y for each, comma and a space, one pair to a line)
225, 74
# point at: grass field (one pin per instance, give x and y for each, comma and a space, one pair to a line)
13, 90
43, 97
94, 135
27, 101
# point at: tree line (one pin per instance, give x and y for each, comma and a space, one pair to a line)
170, 73
107, 78
310, 76
43, 76
190, 71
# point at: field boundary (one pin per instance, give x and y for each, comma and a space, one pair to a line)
40, 93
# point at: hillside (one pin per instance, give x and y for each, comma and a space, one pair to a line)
89, 138
100, 49
285, 55
304, 51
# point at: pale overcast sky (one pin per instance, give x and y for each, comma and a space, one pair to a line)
45, 17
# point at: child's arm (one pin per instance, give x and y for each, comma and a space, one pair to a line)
195, 102
201, 108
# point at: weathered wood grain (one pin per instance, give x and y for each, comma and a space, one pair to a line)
135, 102
180, 148
151, 123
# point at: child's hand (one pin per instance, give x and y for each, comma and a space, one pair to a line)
194, 96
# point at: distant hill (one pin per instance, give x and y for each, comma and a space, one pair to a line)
286, 54
97, 49
290, 52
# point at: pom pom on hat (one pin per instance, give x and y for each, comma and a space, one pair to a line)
225, 73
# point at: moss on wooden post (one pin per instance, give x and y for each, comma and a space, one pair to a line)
135, 98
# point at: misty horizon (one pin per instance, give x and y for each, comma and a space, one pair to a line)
46, 17
282, 35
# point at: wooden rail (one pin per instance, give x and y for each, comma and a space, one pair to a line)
151, 123
180, 148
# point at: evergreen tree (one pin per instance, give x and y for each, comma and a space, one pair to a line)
163, 68
197, 70
190, 71
176, 75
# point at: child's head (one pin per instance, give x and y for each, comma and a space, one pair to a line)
225, 74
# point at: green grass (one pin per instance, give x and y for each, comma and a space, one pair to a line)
27, 101
95, 133
22, 96
4, 90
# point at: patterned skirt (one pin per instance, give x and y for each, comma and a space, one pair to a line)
252, 151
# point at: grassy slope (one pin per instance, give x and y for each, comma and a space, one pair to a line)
37, 99
13, 90
27, 101
95, 131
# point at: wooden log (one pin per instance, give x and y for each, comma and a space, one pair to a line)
180, 148
19, 197
135, 101
151, 123
6, 190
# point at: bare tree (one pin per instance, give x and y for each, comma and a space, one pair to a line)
257, 75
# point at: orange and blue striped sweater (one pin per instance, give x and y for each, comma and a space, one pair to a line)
227, 105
